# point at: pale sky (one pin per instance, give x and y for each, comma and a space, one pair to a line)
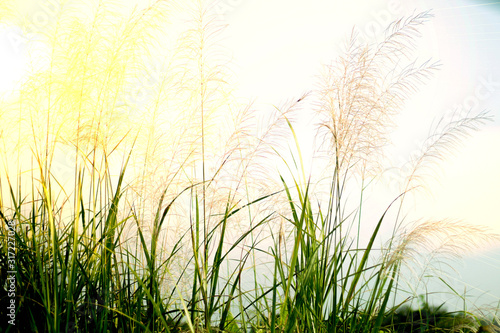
278, 46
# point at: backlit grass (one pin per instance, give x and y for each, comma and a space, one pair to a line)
160, 210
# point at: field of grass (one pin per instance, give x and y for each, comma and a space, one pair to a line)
165, 212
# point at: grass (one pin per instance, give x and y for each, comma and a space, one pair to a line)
168, 219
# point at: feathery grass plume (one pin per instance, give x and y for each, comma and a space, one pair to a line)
357, 100
443, 238
441, 143
362, 92
425, 250
208, 131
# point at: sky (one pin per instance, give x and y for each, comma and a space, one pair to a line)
277, 48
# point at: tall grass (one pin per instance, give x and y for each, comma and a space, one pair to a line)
168, 219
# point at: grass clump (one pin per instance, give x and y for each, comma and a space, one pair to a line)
167, 218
